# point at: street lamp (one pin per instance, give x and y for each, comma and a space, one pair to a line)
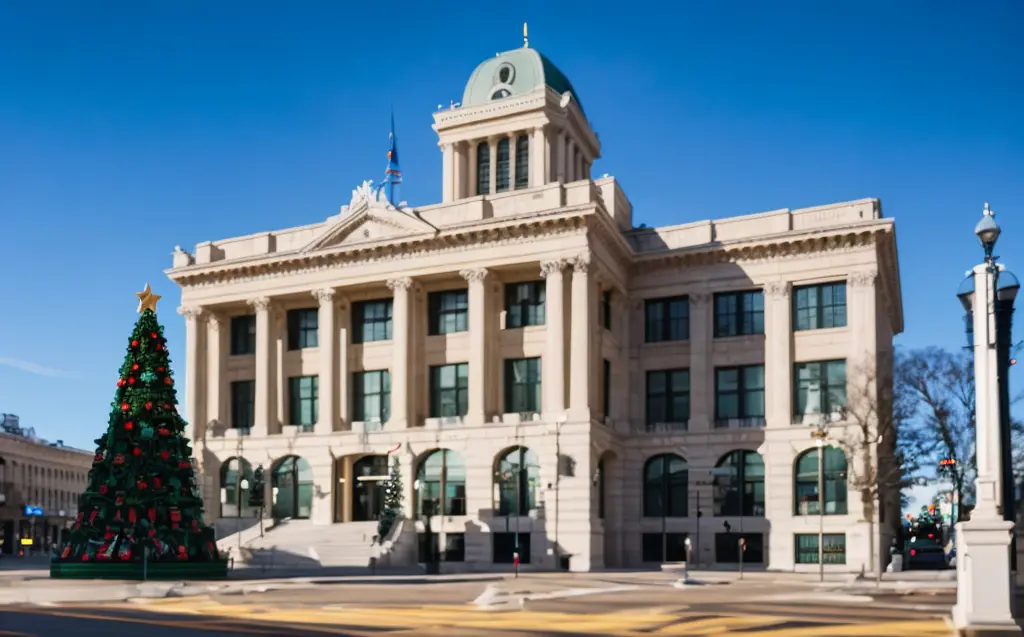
820, 435
985, 587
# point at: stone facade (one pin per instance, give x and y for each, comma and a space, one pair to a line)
544, 222
43, 475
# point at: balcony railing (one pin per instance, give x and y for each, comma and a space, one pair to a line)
752, 422
667, 427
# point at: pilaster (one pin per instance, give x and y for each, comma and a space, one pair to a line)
400, 349
702, 383
580, 340
492, 148
216, 363
478, 350
327, 419
778, 354
447, 173
263, 403
342, 382
538, 161
472, 182
553, 363
193, 365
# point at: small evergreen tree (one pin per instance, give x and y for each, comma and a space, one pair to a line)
392, 500
142, 494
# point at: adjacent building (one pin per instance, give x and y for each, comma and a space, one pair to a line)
555, 380
40, 483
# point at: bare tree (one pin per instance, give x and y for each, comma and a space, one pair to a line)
880, 442
940, 385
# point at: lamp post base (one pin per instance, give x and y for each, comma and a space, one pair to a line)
985, 588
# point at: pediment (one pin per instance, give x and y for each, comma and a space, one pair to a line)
369, 223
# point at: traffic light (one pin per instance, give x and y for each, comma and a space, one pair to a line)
257, 489
947, 462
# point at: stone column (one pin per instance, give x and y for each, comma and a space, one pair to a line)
538, 161
342, 383
553, 375
459, 179
579, 164
472, 184
580, 337
400, 350
778, 354
327, 419
215, 365
512, 161
562, 163
262, 410
193, 354
702, 382
280, 396
478, 376
492, 148
447, 173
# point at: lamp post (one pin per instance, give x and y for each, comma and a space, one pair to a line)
820, 435
985, 587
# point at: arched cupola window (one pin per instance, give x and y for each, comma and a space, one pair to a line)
522, 179
502, 173
483, 168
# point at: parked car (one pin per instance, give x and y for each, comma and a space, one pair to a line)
925, 552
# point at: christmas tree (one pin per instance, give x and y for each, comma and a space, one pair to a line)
142, 514
392, 501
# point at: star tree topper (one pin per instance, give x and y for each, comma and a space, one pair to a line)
147, 300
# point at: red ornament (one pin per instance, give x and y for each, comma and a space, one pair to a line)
136, 451
119, 500
117, 516
159, 346
131, 515
152, 532
108, 536
141, 484
148, 405
151, 514
160, 369
156, 482
98, 458
124, 406
164, 431
119, 458
103, 489
135, 343
120, 382
128, 426
152, 334
135, 367
175, 515
182, 555
65, 553
85, 557
131, 380
165, 455
167, 380
166, 406
183, 465
92, 516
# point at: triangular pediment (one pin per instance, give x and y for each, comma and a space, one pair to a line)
369, 223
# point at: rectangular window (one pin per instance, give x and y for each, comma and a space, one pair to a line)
501, 174
727, 548
606, 309
371, 396
506, 545
524, 304
667, 319
820, 387
739, 392
522, 162
483, 169
818, 307
243, 404
739, 313
448, 312
449, 390
668, 397
302, 328
606, 390
243, 335
371, 321
807, 548
522, 385
303, 401
664, 547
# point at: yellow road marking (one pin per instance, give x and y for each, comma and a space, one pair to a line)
926, 628
715, 625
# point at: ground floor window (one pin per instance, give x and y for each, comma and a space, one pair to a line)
727, 548
504, 547
664, 547
807, 548
429, 545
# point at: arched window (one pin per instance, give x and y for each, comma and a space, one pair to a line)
522, 179
517, 475
440, 484
502, 172
235, 479
665, 486
292, 483
483, 169
739, 484
834, 479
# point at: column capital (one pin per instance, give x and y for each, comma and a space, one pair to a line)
548, 268
474, 275
213, 320
776, 289
862, 279
400, 283
324, 295
190, 312
700, 298
580, 263
259, 303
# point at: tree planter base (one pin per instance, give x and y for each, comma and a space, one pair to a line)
134, 570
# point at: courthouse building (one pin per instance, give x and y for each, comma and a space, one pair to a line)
547, 369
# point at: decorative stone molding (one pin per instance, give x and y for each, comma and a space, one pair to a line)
699, 298
474, 275
550, 267
400, 283
862, 279
260, 303
213, 320
190, 312
776, 289
580, 263
324, 295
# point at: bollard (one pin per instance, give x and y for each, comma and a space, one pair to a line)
743, 548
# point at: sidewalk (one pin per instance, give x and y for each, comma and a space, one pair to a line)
904, 581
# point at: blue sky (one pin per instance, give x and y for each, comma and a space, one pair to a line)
127, 128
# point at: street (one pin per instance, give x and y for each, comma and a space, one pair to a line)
527, 606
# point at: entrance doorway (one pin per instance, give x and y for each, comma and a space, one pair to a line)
292, 482
370, 475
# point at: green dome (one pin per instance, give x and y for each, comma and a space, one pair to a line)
513, 73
